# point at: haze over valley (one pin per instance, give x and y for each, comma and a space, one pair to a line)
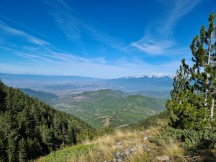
107, 81
100, 102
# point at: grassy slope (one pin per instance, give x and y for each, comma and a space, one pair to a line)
68, 153
105, 147
144, 138
115, 107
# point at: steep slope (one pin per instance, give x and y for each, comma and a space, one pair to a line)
29, 128
109, 108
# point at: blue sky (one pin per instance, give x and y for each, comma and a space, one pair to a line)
106, 39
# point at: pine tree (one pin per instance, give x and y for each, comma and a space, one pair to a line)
3, 145
183, 112
203, 71
30, 128
194, 94
2, 97
22, 150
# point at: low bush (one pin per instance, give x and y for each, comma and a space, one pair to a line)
189, 139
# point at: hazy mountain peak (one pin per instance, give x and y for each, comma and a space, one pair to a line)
153, 75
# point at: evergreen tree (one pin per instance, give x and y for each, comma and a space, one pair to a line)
192, 103
23, 150
2, 97
183, 112
30, 128
203, 70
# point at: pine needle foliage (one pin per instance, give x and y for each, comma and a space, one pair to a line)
192, 103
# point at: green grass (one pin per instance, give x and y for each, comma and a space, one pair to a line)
160, 119
67, 153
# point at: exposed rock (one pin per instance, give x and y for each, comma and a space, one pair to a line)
145, 138
163, 158
127, 152
117, 146
124, 125
148, 150
118, 153
142, 133
132, 149
148, 131
107, 121
119, 160
119, 143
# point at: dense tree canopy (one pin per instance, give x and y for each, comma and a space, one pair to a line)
29, 128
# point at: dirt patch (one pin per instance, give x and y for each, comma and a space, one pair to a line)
107, 121
78, 98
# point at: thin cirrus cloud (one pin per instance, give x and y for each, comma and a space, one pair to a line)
15, 32
158, 38
37, 52
52, 60
68, 24
58, 62
73, 28
38, 49
89, 68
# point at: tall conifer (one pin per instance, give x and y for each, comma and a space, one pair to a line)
194, 95
203, 71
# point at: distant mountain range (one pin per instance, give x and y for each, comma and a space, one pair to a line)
157, 86
141, 83
19, 80
154, 75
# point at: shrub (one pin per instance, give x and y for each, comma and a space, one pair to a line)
189, 139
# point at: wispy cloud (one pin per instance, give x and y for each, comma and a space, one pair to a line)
74, 28
67, 23
104, 38
22, 25
15, 32
158, 38
55, 62
40, 53
179, 9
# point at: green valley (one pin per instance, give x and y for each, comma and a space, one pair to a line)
112, 108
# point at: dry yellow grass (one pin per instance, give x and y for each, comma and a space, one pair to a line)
130, 146
133, 146
120, 141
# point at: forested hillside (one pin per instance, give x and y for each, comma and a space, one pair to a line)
29, 128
